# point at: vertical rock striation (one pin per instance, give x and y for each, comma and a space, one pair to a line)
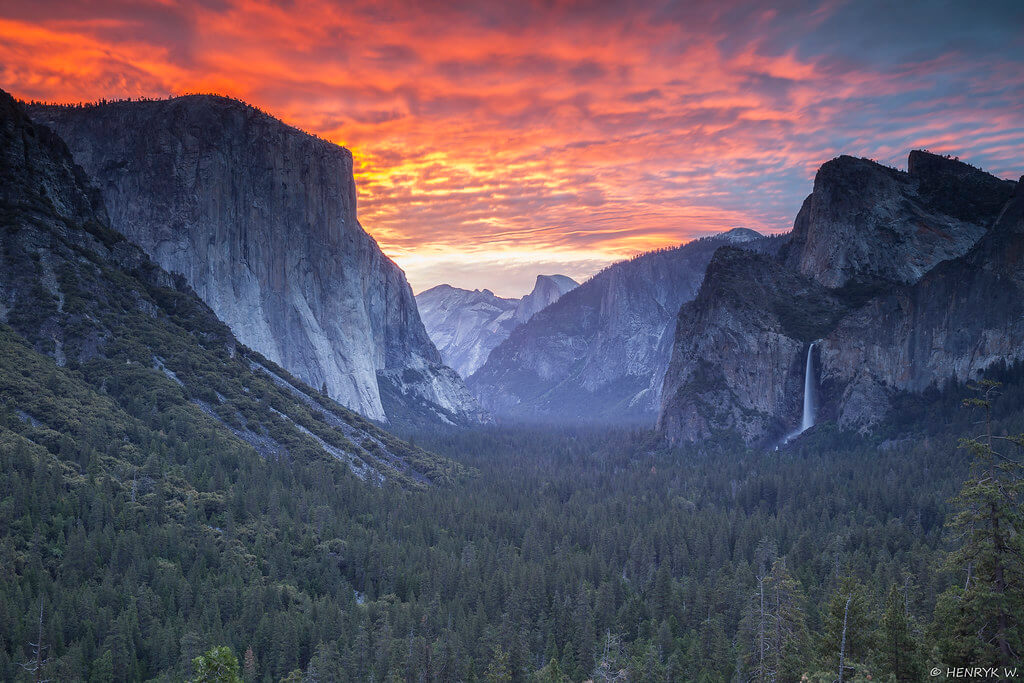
737, 364
546, 290
260, 218
142, 350
960, 318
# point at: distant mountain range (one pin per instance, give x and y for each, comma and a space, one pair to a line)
600, 352
466, 324
260, 218
900, 280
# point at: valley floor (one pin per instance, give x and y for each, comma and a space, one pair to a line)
559, 555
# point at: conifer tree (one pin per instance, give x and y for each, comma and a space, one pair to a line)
498, 670
551, 673
983, 619
846, 638
249, 665
898, 649
787, 627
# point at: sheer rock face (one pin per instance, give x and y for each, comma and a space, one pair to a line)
891, 307
867, 222
738, 360
260, 218
465, 325
599, 353
547, 290
958, 319
79, 292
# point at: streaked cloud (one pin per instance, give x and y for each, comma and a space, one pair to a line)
494, 137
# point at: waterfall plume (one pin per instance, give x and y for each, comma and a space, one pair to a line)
810, 397
807, 421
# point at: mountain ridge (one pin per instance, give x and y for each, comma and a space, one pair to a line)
866, 278
133, 341
601, 350
467, 324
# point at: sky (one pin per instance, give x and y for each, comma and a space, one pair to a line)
495, 141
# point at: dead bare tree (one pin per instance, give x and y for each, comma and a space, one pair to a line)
38, 663
842, 646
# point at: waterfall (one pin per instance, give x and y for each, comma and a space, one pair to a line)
809, 390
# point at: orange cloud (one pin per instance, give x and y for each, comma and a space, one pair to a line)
576, 132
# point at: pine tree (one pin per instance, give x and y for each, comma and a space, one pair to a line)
249, 667
498, 670
551, 673
898, 648
324, 665
37, 665
846, 638
102, 669
774, 632
787, 627
983, 620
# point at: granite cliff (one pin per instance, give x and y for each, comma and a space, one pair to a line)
865, 222
260, 218
466, 324
600, 352
94, 335
546, 290
901, 279
960, 318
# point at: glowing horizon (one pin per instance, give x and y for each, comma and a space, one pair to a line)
493, 143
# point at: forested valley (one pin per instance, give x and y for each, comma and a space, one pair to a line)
556, 555
176, 505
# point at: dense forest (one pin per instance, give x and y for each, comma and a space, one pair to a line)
555, 556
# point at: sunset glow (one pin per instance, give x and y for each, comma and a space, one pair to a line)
493, 142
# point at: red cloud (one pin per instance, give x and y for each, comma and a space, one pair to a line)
565, 128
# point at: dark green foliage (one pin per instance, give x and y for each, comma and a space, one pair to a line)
897, 640
983, 619
587, 548
150, 540
166, 491
848, 632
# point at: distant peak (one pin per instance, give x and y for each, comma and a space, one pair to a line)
556, 278
562, 283
740, 235
436, 289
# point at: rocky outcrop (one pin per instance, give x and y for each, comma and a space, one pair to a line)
902, 281
865, 222
139, 345
737, 362
465, 325
960, 318
547, 290
260, 218
600, 352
